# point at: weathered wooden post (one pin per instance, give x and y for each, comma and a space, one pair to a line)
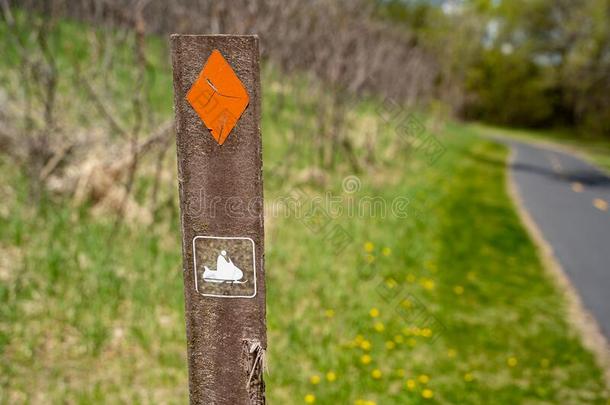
217, 105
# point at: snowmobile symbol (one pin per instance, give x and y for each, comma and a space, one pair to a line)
226, 271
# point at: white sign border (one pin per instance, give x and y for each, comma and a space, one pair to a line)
224, 237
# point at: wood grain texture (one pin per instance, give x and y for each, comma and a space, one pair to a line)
229, 175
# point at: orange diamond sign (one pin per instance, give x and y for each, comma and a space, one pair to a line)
218, 97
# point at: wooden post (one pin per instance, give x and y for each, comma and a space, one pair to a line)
217, 105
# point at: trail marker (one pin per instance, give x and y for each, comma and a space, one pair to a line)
217, 105
224, 267
218, 96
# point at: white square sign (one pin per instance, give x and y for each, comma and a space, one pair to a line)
224, 266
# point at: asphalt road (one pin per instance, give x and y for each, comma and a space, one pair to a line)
569, 201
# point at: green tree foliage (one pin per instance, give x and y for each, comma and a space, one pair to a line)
509, 90
518, 62
549, 60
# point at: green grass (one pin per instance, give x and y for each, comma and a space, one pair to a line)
90, 315
467, 237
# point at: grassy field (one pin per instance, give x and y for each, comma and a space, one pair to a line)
442, 300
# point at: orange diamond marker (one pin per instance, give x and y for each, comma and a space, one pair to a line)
218, 97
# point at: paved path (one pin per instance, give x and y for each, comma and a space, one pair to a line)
569, 201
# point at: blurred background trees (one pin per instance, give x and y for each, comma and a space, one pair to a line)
545, 63
527, 63
538, 63
541, 63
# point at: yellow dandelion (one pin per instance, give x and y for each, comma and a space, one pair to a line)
426, 332
329, 313
428, 284
406, 303
391, 283
451, 353
374, 312
310, 398
331, 376
379, 327
410, 384
390, 345
314, 379
370, 403
424, 379
511, 361
369, 247
365, 345
427, 393
376, 374
386, 251
468, 377
365, 359
358, 339
398, 339
458, 290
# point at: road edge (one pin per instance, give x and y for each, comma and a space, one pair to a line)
583, 322
554, 146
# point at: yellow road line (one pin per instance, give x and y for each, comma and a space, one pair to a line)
577, 187
600, 204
